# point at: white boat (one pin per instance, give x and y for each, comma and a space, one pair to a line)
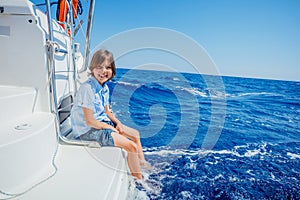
40, 70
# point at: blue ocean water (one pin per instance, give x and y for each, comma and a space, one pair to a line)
211, 137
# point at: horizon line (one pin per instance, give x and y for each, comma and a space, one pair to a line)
222, 75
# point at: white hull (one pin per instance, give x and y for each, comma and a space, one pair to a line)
80, 177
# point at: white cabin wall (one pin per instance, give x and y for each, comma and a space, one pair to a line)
23, 54
23, 61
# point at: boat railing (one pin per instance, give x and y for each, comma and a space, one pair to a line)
51, 63
88, 36
64, 106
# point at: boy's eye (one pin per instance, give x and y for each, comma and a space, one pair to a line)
106, 67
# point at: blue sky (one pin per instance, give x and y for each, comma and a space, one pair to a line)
248, 38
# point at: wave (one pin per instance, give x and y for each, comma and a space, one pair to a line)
253, 94
249, 150
205, 93
293, 155
127, 84
193, 91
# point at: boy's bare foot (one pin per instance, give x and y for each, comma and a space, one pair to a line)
145, 165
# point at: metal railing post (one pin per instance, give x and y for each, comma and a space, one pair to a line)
72, 44
51, 64
88, 35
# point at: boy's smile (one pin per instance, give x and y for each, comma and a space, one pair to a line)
102, 73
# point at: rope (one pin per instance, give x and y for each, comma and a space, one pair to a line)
79, 8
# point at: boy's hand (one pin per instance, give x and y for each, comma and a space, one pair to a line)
119, 127
111, 128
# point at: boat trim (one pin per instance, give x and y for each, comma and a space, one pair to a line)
88, 36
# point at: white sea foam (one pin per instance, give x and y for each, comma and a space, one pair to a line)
192, 166
168, 152
293, 155
215, 93
128, 84
245, 94
213, 163
193, 91
232, 179
134, 193
205, 93
259, 150
206, 152
252, 179
272, 176
252, 153
186, 194
148, 185
249, 171
252, 94
219, 176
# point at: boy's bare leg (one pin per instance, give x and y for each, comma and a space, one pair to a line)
134, 135
132, 150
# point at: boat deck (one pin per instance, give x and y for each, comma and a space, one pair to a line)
73, 179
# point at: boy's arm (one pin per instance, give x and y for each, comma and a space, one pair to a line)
92, 122
113, 118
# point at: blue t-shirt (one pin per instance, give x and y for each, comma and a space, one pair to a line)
92, 95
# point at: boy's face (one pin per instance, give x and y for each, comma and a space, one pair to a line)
103, 72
